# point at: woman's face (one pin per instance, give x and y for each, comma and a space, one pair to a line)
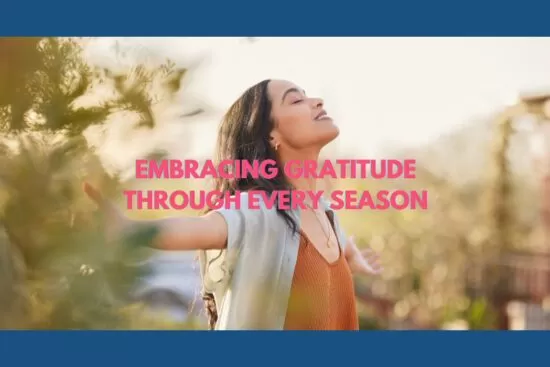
300, 121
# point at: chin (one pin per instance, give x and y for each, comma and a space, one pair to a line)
332, 130
329, 134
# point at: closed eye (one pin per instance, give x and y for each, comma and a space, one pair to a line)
298, 101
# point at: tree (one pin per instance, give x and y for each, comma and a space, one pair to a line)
20, 60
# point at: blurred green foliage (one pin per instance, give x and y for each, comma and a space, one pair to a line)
480, 315
57, 271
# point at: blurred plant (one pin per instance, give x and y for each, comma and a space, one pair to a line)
68, 265
139, 89
369, 323
56, 269
480, 315
45, 81
12, 285
432, 258
20, 60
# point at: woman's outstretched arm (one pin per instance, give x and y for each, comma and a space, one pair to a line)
186, 233
206, 232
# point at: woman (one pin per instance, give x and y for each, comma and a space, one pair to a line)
269, 268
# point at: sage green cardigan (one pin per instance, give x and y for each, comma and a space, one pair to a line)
251, 280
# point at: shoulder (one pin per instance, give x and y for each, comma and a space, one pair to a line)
248, 205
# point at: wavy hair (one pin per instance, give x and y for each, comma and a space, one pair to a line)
244, 135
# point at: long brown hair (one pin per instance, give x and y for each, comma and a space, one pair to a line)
244, 134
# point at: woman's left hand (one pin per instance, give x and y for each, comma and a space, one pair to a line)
366, 262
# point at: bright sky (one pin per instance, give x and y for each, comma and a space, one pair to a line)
381, 91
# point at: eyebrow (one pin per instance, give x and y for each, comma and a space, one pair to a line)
291, 90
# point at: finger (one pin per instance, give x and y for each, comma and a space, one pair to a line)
96, 196
366, 252
369, 253
376, 266
373, 258
372, 270
372, 261
92, 193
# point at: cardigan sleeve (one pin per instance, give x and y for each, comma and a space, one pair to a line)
243, 224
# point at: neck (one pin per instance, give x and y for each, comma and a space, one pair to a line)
301, 183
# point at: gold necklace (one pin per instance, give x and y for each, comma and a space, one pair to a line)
328, 236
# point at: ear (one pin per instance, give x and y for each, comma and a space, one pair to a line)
273, 140
274, 137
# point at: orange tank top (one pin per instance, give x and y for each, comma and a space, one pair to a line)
322, 295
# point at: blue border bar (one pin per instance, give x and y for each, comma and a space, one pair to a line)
390, 348
276, 18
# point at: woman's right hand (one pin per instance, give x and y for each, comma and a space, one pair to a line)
206, 232
114, 220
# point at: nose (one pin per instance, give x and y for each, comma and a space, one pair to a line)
317, 102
